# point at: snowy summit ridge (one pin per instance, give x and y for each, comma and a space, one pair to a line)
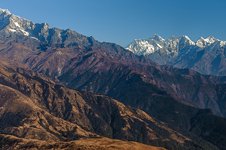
206, 55
168, 46
14, 24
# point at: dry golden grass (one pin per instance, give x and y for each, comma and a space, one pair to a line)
82, 144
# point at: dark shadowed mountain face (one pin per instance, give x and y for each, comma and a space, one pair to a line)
37, 108
169, 95
206, 55
105, 67
82, 62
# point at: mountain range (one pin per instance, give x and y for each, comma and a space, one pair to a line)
73, 91
206, 55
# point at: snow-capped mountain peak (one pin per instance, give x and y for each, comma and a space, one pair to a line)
157, 38
41, 34
14, 24
173, 44
185, 41
18, 25
182, 52
203, 42
147, 46
5, 11
159, 45
211, 39
141, 47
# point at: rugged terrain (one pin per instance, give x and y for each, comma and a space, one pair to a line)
34, 107
83, 63
161, 106
206, 55
11, 142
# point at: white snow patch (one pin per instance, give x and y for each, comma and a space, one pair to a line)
222, 43
5, 11
24, 32
159, 45
12, 30
17, 24
210, 39
141, 47
34, 38
203, 42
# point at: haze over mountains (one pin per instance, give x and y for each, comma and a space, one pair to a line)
206, 55
43, 68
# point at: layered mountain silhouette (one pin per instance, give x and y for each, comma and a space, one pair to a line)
155, 105
206, 55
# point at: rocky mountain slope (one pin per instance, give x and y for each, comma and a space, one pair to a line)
169, 95
206, 55
82, 62
82, 144
34, 107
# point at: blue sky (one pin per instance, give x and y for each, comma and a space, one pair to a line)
121, 21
